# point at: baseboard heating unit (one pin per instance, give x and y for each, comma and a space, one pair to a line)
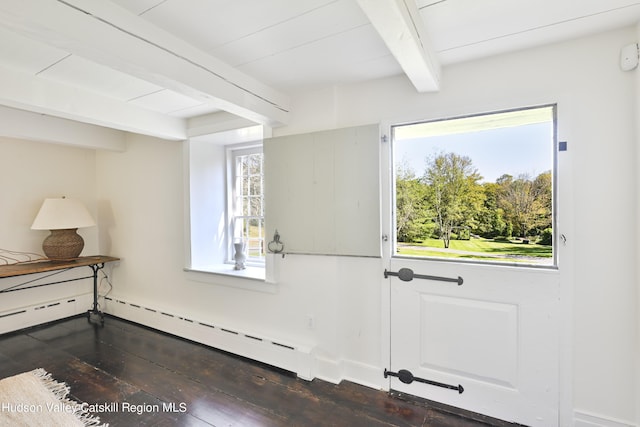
291, 357
49, 311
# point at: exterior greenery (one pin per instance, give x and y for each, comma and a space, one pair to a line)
449, 202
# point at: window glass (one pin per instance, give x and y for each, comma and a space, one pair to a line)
477, 188
247, 210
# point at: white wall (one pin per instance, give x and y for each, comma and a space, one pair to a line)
29, 173
138, 195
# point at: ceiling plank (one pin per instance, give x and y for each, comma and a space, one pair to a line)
27, 92
401, 27
110, 35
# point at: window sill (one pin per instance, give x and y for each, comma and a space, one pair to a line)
251, 278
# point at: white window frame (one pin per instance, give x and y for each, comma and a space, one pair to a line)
232, 208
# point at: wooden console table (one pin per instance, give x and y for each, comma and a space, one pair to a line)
96, 263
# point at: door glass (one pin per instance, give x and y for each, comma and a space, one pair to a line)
477, 188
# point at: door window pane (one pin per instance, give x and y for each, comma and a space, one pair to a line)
477, 188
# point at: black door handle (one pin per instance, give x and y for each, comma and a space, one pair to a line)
407, 377
407, 275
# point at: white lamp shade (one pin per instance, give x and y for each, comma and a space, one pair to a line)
60, 214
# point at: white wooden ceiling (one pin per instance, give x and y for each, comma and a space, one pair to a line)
149, 66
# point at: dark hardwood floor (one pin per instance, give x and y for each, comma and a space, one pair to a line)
147, 378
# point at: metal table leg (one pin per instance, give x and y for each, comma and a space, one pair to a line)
95, 315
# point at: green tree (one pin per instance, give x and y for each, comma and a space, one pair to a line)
526, 202
454, 193
544, 189
491, 222
413, 221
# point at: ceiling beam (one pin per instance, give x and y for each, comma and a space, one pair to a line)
401, 27
28, 92
220, 121
110, 35
42, 128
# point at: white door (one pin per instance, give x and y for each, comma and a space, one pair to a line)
488, 345
486, 338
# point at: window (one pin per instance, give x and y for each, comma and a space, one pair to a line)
224, 182
246, 206
477, 188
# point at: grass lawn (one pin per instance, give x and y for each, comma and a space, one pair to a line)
477, 249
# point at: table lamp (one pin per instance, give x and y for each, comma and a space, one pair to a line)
62, 217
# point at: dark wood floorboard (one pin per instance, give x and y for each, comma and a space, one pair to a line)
146, 378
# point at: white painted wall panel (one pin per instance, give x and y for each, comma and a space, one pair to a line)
322, 191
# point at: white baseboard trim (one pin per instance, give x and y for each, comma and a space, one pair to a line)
329, 370
289, 356
44, 312
335, 371
587, 419
366, 375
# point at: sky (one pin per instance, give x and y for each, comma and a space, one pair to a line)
514, 150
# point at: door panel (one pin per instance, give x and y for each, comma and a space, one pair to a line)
487, 330
495, 336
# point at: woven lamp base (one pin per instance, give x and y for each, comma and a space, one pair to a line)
63, 244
